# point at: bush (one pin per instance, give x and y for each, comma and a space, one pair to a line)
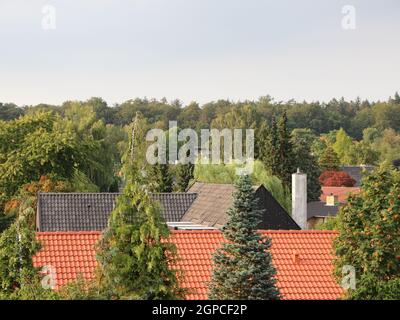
336, 179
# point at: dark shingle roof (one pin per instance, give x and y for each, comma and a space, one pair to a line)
356, 172
213, 201
320, 209
90, 211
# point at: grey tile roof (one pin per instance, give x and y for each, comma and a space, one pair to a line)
356, 172
90, 211
320, 209
174, 205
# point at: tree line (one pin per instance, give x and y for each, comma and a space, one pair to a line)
75, 148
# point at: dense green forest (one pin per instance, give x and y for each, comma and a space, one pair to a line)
81, 143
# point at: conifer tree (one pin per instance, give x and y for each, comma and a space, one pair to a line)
269, 148
277, 151
160, 178
308, 164
184, 173
166, 180
396, 98
285, 150
329, 160
134, 255
243, 265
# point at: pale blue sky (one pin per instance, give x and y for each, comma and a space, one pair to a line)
198, 50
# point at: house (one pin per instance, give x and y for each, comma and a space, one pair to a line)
213, 200
90, 211
303, 260
204, 206
309, 214
332, 198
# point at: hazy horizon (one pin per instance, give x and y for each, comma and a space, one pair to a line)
198, 50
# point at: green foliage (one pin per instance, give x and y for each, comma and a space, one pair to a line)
226, 173
363, 153
329, 160
369, 239
6, 221
19, 279
98, 142
277, 151
330, 223
184, 173
343, 147
159, 177
243, 265
396, 98
134, 255
9, 111
80, 289
307, 162
387, 144
286, 165
33, 146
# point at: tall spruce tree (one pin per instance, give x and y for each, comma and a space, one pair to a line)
277, 151
268, 148
286, 165
134, 255
243, 265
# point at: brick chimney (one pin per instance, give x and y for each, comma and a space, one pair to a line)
299, 198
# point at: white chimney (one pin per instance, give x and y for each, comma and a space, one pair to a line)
299, 198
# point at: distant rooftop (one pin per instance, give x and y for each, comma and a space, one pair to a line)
356, 172
214, 199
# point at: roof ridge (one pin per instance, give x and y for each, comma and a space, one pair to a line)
45, 233
113, 193
174, 193
61, 193
196, 231
226, 184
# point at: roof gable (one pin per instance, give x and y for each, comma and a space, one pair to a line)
90, 211
309, 276
213, 201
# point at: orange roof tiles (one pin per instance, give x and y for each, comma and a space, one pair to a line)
303, 260
68, 254
341, 192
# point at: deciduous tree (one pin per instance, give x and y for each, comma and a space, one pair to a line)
369, 237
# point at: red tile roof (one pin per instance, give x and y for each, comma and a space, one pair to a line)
341, 192
68, 254
303, 260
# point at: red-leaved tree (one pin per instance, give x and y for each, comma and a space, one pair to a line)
336, 179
